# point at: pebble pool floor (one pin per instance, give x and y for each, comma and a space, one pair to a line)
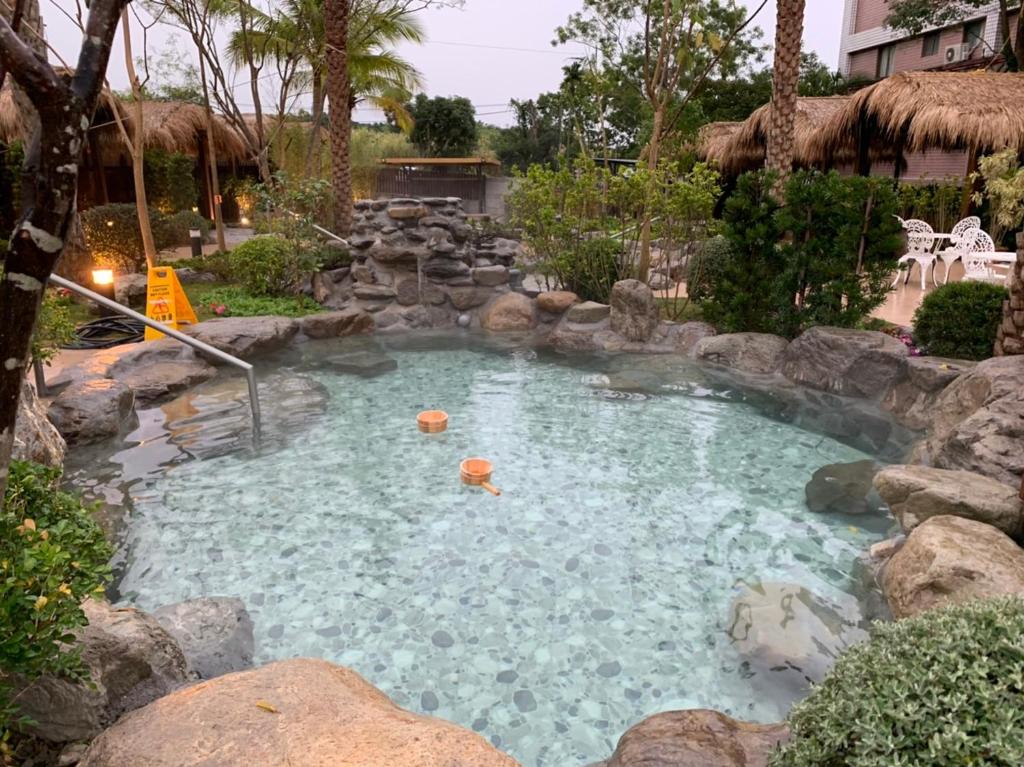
593, 593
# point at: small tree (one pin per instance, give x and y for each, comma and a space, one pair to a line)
443, 127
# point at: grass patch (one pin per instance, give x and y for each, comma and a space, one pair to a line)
225, 300
680, 310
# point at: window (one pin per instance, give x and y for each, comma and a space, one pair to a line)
974, 33
886, 61
930, 47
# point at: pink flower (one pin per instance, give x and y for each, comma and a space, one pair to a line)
218, 309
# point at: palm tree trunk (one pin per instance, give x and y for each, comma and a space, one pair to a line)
336, 15
785, 86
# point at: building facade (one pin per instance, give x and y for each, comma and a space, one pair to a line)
869, 50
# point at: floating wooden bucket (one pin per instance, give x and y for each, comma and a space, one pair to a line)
477, 471
432, 421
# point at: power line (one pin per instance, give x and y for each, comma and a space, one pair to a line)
564, 54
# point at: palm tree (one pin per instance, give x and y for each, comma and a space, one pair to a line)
785, 85
377, 75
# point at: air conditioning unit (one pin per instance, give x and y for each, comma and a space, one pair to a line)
955, 53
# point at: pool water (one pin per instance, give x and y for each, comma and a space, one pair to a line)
637, 498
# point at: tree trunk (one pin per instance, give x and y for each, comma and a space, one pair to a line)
1008, 46
137, 147
785, 86
313, 150
262, 159
653, 157
65, 109
211, 150
336, 13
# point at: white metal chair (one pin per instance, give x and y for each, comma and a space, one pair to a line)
977, 257
920, 241
955, 251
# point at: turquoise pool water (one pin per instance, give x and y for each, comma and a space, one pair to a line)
637, 497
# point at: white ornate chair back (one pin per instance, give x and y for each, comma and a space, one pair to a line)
962, 227
919, 239
977, 261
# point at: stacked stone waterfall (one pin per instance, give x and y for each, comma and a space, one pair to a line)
419, 263
1011, 331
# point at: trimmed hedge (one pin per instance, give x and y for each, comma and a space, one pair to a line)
115, 240
960, 320
940, 689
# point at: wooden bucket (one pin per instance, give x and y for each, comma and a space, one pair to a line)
432, 421
477, 471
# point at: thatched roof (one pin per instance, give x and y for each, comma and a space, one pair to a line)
747, 148
928, 111
712, 140
173, 126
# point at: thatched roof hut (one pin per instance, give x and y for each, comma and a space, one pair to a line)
747, 148
713, 140
920, 111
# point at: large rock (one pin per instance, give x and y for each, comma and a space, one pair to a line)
490, 276
556, 301
789, 637
588, 313
91, 411
245, 337
912, 400
130, 290
681, 338
510, 312
757, 353
854, 363
159, 369
347, 322
301, 713
917, 493
950, 560
469, 298
131, 661
844, 488
978, 422
697, 738
634, 311
445, 269
35, 438
215, 634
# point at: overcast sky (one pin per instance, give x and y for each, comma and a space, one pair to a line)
490, 51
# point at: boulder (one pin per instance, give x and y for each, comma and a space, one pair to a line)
374, 292
844, 488
35, 438
490, 276
347, 322
130, 290
789, 637
303, 713
246, 337
189, 276
912, 400
366, 364
158, 369
681, 338
445, 269
588, 313
215, 634
978, 422
556, 301
131, 661
697, 738
91, 411
757, 353
510, 312
469, 298
405, 212
950, 560
634, 312
917, 493
853, 363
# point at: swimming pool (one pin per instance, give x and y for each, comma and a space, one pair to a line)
639, 497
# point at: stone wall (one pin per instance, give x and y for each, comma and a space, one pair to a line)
1011, 332
419, 264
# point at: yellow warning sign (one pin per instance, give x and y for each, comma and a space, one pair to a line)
166, 302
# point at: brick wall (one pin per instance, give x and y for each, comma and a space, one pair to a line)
870, 14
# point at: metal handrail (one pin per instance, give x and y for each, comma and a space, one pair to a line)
177, 335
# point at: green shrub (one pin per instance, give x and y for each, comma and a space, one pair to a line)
54, 326
270, 266
960, 320
113, 235
218, 264
173, 231
706, 267
231, 301
170, 181
592, 270
941, 689
52, 556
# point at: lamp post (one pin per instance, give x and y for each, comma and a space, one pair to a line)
103, 283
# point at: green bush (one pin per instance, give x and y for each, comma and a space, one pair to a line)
54, 326
231, 301
270, 266
941, 689
592, 270
218, 264
960, 320
113, 235
52, 556
707, 266
173, 231
170, 181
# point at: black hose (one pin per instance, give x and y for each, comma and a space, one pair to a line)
107, 332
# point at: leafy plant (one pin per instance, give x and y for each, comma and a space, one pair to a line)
174, 231
232, 301
706, 267
292, 208
443, 127
170, 181
54, 326
270, 266
938, 204
52, 556
1004, 192
960, 320
940, 689
113, 235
